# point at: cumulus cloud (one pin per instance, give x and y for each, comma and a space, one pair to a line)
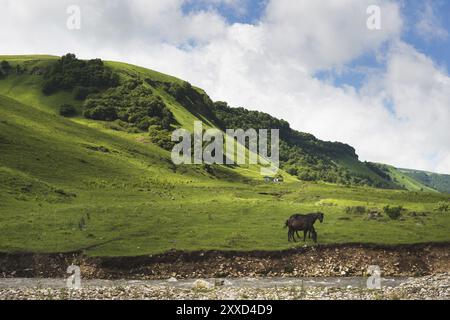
398, 116
421, 94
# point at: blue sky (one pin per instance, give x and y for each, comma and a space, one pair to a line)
244, 11
437, 48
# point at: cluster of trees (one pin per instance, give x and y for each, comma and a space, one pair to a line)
301, 154
245, 119
69, 73
131, 102
6, 69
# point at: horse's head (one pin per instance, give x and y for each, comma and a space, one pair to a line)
320, 216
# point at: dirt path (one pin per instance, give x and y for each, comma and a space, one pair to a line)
320, 261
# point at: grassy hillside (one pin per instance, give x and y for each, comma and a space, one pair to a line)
440, 182
402, 179
415, 180
80, 184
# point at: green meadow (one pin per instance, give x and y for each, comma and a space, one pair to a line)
71, 184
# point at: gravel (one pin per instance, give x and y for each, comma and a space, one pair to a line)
427, 287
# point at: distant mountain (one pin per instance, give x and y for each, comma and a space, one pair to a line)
440, 182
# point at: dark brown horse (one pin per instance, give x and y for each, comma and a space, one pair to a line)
303, 222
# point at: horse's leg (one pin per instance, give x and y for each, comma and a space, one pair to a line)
314, 235
293, 235
304, 235
312, 231
289, 234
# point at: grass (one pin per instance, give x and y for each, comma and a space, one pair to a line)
408, 182
74, 184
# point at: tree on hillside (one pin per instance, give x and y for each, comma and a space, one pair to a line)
5, 66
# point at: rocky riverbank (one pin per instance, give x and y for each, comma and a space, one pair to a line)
428, 287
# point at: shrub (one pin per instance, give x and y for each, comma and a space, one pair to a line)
292, 171
393, 212
5, 66
67, 110
106, 113
20, 69
443, 206
355, 210
160, 137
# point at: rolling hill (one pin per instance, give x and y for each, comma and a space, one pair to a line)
85, 165
439, 182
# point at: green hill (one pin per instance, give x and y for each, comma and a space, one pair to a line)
85, 165
414, 180
440, 182
400, 178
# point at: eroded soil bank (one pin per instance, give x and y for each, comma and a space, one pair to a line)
318, 261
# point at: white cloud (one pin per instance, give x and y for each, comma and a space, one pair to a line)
267, 66
323, 34
421, 93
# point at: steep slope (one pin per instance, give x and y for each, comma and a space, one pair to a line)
27, 78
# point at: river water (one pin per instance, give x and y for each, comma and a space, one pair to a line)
344, 282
